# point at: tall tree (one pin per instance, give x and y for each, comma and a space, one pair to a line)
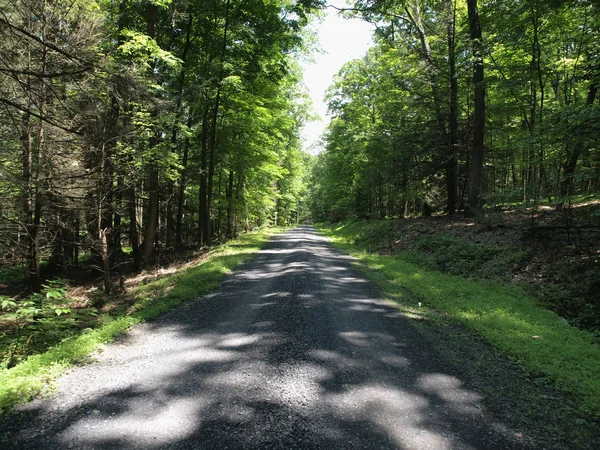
477, 140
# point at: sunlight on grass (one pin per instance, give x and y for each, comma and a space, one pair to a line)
29, 378
502, 314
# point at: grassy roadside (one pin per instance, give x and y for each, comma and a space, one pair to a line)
501, 314
24, 381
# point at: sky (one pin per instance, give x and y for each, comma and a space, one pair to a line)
341, 40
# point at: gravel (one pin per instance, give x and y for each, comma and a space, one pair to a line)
294, 350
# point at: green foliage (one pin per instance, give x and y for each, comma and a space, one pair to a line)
37, 321
451, 255
502, 314
13, 273
50, 300
145, 50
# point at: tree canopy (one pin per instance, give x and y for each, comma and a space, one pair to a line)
463, 105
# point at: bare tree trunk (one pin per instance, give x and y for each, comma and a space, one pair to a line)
170, 231
417, 20
116, 231
211, 164
105, 190
171, 225
152, 214
578, 147
27, 188
220, 207
102, 231
103, 244
477, 150
452, 164
203, 213
34, 257
133, 232
153, 184
229, 194
76, 241
181, 196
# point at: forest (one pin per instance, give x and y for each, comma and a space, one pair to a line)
136, 134
459, 107
130, 127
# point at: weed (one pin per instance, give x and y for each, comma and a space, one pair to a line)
38, 320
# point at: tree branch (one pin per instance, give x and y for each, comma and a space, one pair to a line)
44, 75
367, 10
39, 116
49, 45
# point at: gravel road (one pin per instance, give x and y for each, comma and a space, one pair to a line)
295, 350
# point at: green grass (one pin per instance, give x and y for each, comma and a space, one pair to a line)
29, 378
457, 256
575, 199
502, 314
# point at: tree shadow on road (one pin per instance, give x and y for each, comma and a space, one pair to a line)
296, 350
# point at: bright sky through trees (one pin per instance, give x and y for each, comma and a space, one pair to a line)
342, 40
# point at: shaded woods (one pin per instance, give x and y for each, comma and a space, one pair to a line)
131, 126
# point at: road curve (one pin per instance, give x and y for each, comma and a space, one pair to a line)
295, 350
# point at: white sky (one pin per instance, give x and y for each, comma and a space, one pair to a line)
342, 40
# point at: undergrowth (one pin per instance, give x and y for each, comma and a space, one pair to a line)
31, 376
502, 314
558, 276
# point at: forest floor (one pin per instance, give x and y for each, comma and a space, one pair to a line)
553, 255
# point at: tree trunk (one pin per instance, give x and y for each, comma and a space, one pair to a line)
211, 163
152, 214
170, 231
133, 232
578, 147
229, 194
34, 257
477, 146
417, 20
181, 196
76, 241
105, 190
105, 260
170, 224
116, 231
27, 188
153, 184
452, 165
220, 207
203, 216
213, 134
